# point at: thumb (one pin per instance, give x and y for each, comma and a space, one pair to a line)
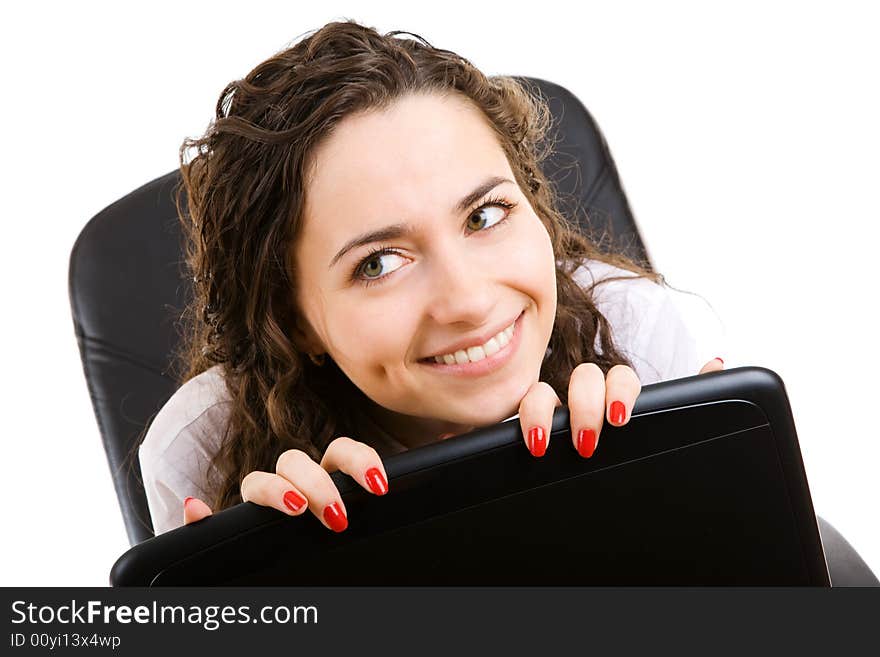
194, 510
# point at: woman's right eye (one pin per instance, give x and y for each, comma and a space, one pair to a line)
371, 268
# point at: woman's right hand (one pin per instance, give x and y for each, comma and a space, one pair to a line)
299, 483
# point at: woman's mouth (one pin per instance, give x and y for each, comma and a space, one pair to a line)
481, 359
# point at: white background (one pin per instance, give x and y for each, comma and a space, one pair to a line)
747, 140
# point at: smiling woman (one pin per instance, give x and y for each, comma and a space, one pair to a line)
460, 270
380, 264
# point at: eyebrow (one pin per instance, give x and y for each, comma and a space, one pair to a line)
395, 231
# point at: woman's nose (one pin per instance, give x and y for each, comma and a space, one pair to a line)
459, 292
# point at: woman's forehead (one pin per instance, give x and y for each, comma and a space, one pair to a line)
386, 166
415, 139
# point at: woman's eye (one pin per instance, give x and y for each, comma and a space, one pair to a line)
372, 267
482, 218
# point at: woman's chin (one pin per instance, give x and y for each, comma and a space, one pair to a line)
486, 417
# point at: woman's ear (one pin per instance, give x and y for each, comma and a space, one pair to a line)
304, 337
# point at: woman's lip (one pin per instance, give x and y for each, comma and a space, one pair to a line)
430, 359
489, 363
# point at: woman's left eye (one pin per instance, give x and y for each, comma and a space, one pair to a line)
488, 216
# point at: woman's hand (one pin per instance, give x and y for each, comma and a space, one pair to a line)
714, 365
592, 397
299, 483
194, 509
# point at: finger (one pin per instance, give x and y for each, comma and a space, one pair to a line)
324, 499
622, 387
536, 416
358, 460
714, 365
270, 489
586, 406
194, 510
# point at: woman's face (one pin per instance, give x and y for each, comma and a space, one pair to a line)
401, 259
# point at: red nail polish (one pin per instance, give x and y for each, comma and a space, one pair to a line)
376, 481
618, 412
719, 358
293, 501
186, 501
334, 517
537, 441
586, 443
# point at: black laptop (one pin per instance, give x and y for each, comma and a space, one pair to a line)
704, 486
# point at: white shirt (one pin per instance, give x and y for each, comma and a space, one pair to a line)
666, 334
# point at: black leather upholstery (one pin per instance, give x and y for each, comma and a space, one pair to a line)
845, 566
128, 288
585, 176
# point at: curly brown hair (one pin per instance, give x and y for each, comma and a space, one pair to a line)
245, 192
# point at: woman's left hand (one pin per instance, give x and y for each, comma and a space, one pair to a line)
714, 365
592, 398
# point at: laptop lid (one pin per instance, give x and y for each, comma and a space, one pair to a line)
704, 486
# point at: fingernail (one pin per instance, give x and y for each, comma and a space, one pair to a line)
186, 501
537, 441
293, 501
719, 358
586, 443
334, 517
618, 412
376, 481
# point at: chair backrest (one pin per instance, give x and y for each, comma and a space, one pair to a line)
128, 286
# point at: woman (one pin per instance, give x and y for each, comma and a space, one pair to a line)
379, 264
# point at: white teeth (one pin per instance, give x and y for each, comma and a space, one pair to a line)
492, 347
473, 354
476, 354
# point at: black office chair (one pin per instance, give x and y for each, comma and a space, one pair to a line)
128, 287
